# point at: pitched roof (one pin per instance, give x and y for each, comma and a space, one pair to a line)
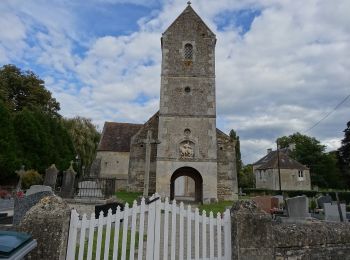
189, 10
116, 136
270, 161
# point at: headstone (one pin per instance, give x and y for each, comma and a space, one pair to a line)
324, 199
266, 203
106, 207
89, 189
51, 176
22, 205
37, 188
331, 212
298, 207
20, 173
68, 182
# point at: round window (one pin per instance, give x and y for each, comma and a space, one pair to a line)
187, 131
187, 89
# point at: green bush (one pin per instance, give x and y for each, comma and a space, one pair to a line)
31, 177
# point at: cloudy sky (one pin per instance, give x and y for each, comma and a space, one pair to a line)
281, 66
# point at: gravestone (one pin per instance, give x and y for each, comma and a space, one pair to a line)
266, 203
322, 200
51, 176
89, 189
20, 173
331, 212
22, 205
298, 207
38, 188
68, 182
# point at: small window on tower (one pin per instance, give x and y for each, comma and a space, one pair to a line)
188, 51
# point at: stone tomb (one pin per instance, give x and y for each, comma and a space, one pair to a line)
322, 200
266, 203
298, 208
89, 189
38, 188
331, 212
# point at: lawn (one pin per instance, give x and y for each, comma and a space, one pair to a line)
128, 197
215, 207
110, 255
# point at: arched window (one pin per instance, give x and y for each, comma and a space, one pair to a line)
188, 51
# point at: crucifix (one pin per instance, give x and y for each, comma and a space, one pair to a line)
148, 142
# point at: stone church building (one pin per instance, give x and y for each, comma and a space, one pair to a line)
178, 151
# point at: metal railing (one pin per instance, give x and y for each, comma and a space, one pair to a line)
90, 187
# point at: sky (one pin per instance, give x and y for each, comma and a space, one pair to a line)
281, 66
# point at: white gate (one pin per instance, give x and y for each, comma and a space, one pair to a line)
157, 230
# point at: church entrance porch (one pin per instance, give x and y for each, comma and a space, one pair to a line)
186, 183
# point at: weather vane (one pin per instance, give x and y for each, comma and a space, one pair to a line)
189, 2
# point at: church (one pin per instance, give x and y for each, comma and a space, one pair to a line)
178, 153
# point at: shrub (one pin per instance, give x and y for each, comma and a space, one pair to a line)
31, 177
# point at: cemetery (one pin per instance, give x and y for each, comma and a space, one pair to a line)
165, 189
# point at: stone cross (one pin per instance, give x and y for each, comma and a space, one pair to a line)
148, 141
20, 173
51, 176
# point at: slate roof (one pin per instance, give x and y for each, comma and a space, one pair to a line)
116, 136
270, 161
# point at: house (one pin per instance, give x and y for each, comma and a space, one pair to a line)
294, 175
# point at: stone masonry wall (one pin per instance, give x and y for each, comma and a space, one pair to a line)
227, 172
255, 236
137, 157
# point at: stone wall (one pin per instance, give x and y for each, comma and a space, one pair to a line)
138, 154
48, 223
289, 179
256, 236
227, 171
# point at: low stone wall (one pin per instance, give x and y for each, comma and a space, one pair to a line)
256, 236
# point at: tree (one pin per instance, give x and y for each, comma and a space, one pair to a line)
310, 152
21, 90
344, 155
8, 159
235, 137
246, 178
85, 138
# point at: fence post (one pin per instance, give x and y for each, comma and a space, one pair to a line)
227, 230
74, 218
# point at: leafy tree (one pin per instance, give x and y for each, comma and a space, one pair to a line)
21, 90
8, 159
235, 137
246, 178
85, 138
344, 155
309, 151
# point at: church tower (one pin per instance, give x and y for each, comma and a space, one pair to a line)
187, 115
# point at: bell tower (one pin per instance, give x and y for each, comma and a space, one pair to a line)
187, 115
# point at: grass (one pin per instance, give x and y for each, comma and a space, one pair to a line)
128, 197
111, 246
215, 207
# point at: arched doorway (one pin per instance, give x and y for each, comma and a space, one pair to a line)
193, 174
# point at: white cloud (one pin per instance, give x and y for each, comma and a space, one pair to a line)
281, 76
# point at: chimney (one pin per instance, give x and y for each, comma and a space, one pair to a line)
269, 150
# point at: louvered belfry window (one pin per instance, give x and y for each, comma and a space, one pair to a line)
188, 51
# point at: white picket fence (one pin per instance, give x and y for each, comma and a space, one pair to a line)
170, 232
